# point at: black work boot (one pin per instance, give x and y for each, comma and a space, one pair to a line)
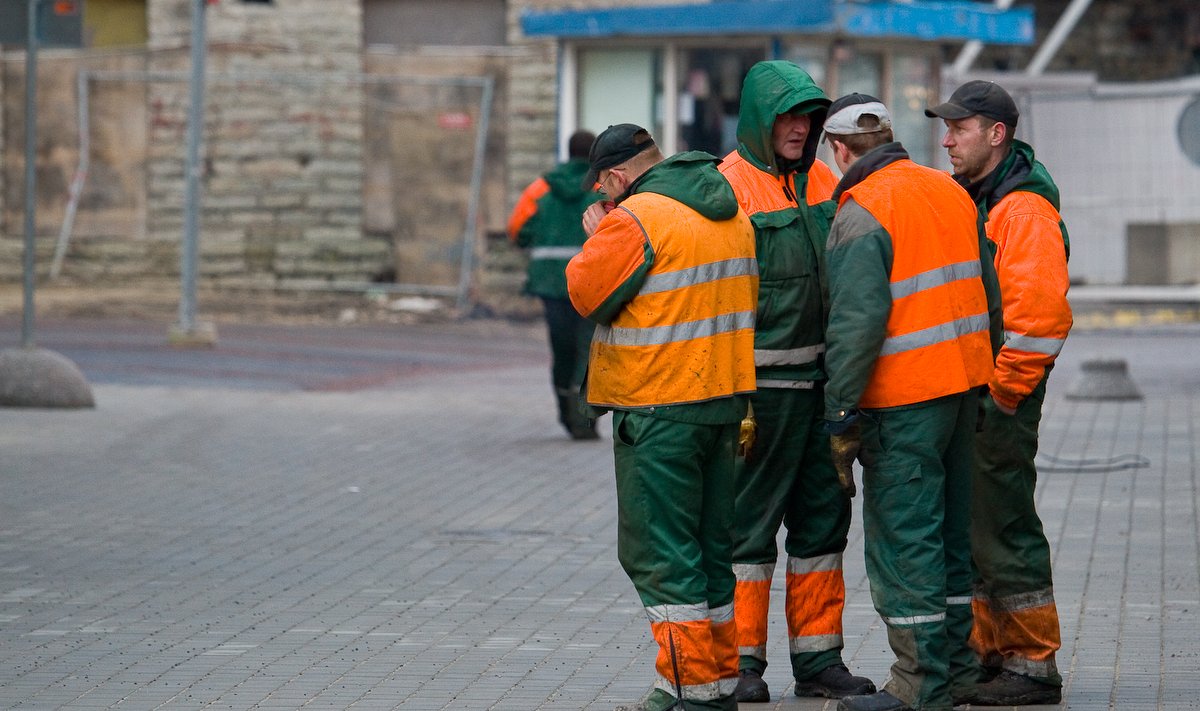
1012, 689
881, 701
834, 682
751, 687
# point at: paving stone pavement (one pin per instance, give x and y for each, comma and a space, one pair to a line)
435, 542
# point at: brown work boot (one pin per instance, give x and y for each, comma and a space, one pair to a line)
1012, 689
835, 682
751, 688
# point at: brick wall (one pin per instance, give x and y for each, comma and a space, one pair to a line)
283, 171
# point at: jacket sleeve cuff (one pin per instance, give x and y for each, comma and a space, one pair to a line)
839, 426
1004, 398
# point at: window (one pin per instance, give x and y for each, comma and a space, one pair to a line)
619, 86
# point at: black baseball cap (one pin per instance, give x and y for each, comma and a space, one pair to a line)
985, 98
615, 145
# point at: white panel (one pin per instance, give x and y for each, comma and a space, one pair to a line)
1117, 161
616, 86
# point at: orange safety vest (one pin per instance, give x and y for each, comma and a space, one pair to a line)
937, 341
688, 334
759, 191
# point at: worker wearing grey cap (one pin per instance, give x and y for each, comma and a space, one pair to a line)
914, 316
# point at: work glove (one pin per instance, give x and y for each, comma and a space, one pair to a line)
746, 433
845, 446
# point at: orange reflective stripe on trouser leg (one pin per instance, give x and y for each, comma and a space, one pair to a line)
695, 664
751, 602
816, 596
1019, 632
725, 649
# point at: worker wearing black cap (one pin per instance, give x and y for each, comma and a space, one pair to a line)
1016, 632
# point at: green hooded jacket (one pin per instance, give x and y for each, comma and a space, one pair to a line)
691, 178
790, 235
556, 225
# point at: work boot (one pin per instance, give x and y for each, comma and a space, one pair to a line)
1012, 689
881, 701
751, 687
835, 682
584, 430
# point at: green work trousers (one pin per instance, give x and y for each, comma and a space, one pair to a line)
788, 478
674, 514
1009, 547
570, 340
917, 464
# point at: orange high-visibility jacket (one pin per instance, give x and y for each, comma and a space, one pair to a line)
759, 191
685, 331
1031, 264
937, 339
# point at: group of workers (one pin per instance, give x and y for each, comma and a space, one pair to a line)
760, 325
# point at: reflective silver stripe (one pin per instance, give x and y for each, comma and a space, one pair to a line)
553, 252
814, 643
916, 620
1030, 667
698, 692
785, 384
677, 613
936, 277
700, 274
722, 614
1018, 602
1033, 344
793, 356
960, 600
820, 564
753, 572
675, 333
935, 334
759, 652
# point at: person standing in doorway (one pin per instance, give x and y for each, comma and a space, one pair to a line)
786, 476
1016, 632
546, 221
913, 323
668, 275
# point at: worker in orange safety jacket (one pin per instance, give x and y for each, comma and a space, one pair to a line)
1016, 632
669, 276
914, 321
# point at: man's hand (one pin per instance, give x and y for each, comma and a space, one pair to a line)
1004, 408
844, 447
596, 212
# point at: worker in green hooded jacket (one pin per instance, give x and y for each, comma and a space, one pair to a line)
546, 221
786, 475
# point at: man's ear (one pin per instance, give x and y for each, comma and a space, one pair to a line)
999, 134
621, 177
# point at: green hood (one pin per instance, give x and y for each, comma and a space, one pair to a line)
691, 178
772, 88
566, 180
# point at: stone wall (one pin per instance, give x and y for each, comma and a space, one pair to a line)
283, 170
